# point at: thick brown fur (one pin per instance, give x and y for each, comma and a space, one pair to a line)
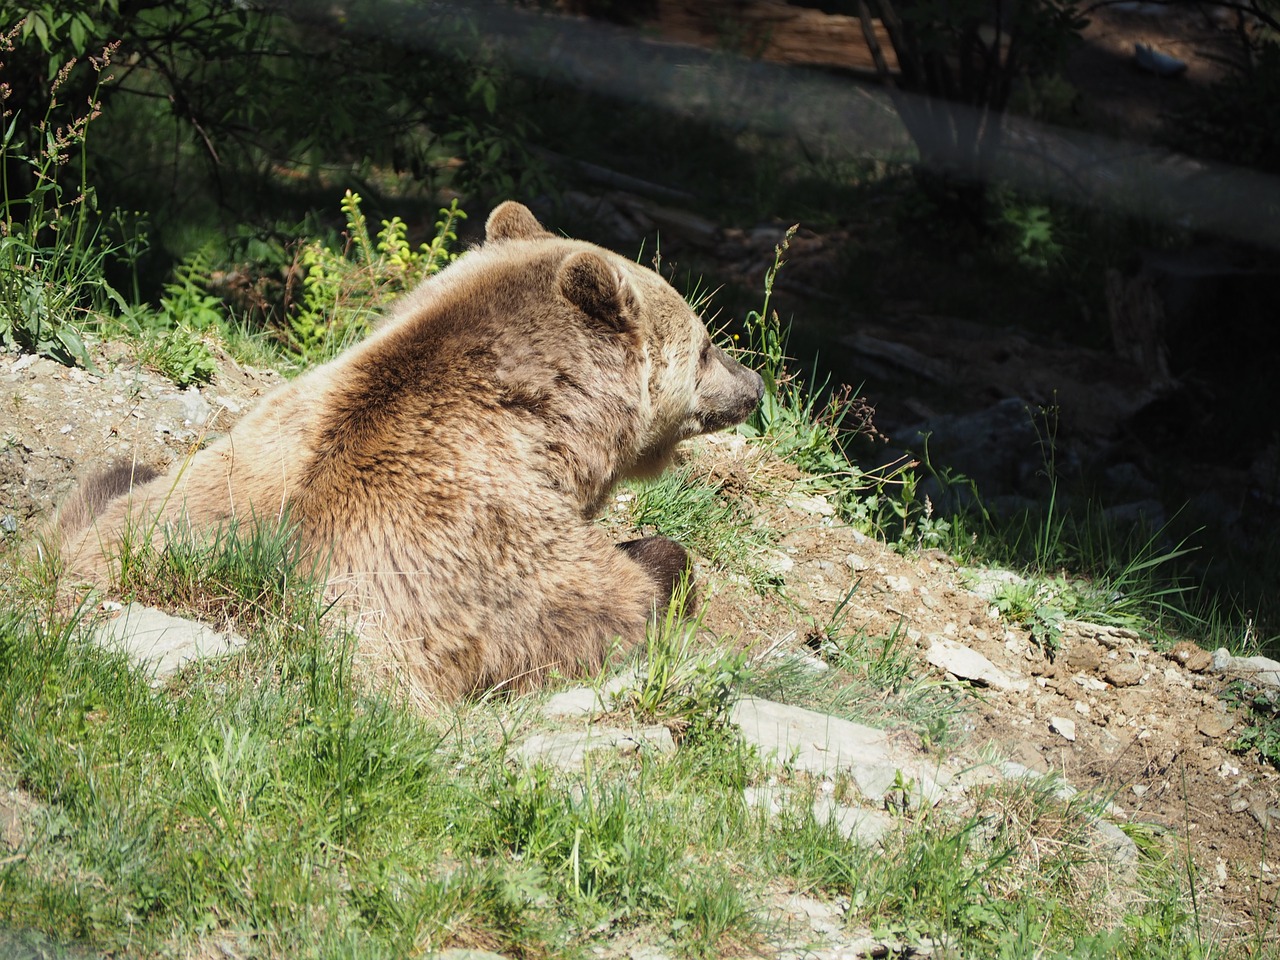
446, 471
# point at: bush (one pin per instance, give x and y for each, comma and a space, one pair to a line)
342, 289
219, 99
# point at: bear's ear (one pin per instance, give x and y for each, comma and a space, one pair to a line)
602, 292
513, 221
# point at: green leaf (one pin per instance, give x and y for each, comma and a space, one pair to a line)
74, 346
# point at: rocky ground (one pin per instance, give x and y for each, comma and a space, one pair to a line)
1142, 728
1109, 712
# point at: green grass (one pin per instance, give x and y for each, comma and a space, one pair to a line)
696, 511
276, 798
871, 680
279, 804
251, 573
272, 801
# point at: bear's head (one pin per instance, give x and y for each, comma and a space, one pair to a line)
688, 385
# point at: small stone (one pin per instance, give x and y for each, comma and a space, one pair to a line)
163, 642
1140, 790
1258, 810
1195, 658
1082, 708
1029, 757
855, 562
817, 504
568, 751
987, 584
1063, 727
866, 827
897, 584
1240, 805
11, 832
1124, 673
1083, 657
1113, 638
579, 701
1117, 844
777, 562
1214, 724
820, 916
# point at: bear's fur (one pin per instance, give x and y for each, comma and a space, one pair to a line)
445, 471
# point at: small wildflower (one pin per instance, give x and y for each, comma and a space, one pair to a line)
63, 72
6, 40
104, 61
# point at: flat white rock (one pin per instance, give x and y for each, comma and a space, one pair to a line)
1063, 727
1261, 670
823, 745
568, 751
960, 661
162, 642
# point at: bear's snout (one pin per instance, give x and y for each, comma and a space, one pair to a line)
731, 392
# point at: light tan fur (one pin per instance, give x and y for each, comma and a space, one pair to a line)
446, 470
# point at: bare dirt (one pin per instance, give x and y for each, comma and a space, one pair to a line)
1151, 731
57, 422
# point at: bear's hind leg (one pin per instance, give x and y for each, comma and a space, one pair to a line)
96, 491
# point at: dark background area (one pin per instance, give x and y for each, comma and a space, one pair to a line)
1014, 241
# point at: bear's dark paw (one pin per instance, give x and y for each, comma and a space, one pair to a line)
671, 568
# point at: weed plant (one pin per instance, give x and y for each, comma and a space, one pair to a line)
1081, 564
680, 679
815, 435
172, 340
51, 261
797, 426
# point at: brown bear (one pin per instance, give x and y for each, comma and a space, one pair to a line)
444, 473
